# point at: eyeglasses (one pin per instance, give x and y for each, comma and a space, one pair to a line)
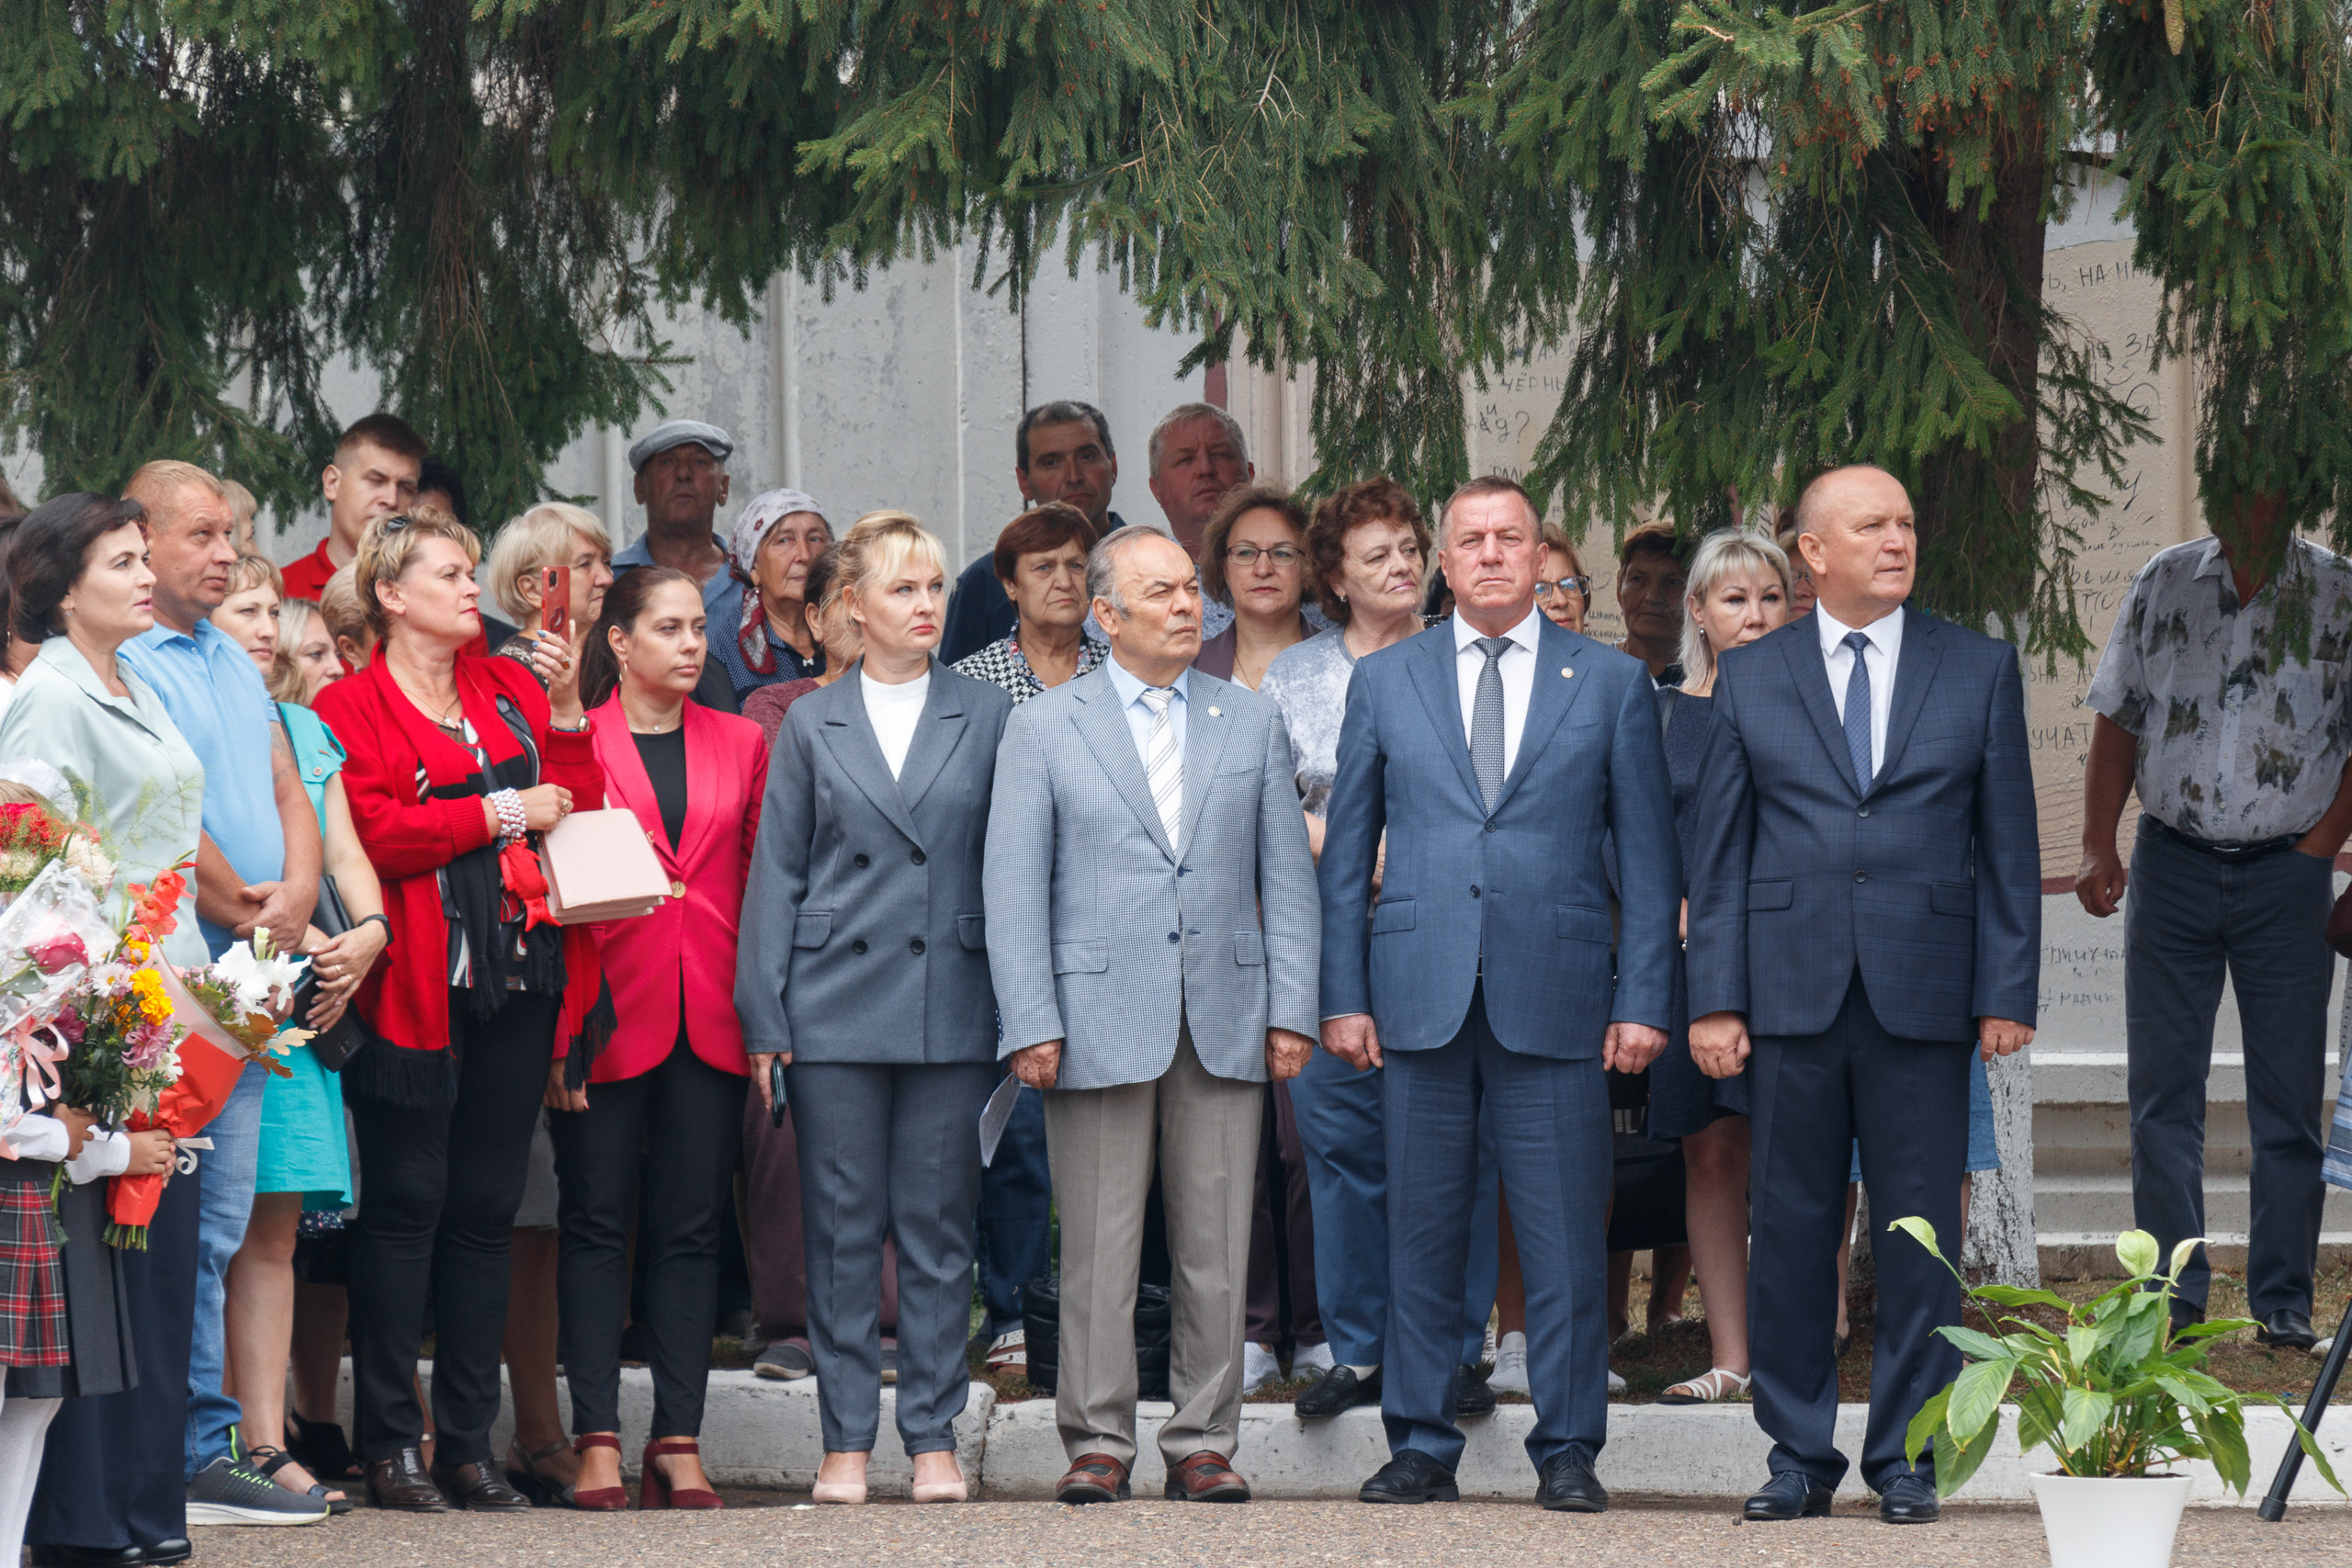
1285, 556
1567, 585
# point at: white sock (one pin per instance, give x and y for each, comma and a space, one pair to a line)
23, 1424
1363, 1372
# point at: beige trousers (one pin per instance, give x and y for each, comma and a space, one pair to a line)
1203, 1131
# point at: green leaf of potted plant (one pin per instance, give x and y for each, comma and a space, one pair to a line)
2115, 1394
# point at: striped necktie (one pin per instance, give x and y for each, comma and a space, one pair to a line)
1164, 764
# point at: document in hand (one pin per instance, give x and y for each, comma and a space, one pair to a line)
601, 866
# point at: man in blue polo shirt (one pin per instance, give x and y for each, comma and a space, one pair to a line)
680, 467
257, 866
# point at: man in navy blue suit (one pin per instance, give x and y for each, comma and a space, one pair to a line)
1865, 903
1497, 751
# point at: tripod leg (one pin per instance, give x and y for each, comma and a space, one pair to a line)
2274, 1505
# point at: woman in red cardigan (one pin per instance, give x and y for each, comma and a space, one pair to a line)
454, 758
666, 1096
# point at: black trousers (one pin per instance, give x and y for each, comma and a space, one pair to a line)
438, 1192
680, 1123
114, 1472
1813, 1095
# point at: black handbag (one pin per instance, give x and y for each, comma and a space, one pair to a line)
1041, 1326
337, 1045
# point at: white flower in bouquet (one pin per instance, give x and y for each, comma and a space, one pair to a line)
18, 864
254, 973
83, 854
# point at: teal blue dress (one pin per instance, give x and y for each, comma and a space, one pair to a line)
303, 1146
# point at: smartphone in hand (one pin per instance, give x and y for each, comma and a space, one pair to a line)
555, 601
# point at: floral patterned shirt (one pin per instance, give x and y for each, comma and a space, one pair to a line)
2231, 750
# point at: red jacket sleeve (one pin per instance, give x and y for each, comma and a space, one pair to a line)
403, 835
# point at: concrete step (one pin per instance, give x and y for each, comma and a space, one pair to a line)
757, 1432
2101, 1204
2073, 1076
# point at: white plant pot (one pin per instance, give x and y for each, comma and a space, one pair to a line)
2104, 1521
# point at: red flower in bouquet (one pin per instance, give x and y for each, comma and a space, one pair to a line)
58, 953
155, 906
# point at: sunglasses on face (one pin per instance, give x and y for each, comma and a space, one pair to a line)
1582, 585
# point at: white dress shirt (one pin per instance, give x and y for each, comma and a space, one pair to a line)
895, 711
1886, 651
1517, 668
1131, 688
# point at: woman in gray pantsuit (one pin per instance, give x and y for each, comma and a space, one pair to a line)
865, 968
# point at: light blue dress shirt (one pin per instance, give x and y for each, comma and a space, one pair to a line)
1131, 688
145, 786
213, 691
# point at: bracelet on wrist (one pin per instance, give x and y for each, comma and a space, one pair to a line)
512, 822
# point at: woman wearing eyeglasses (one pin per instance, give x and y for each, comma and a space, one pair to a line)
1566, 592
1253, 559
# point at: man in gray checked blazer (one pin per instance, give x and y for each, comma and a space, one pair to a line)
1154, 935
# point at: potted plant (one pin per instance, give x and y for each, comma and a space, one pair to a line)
2116, 1395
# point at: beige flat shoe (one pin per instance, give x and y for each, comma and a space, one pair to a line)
838, 1492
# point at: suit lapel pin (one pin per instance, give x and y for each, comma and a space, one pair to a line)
1213, 712
1566, 673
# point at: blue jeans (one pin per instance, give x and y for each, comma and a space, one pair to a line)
228, 1206
1016, 1214
1341, 1128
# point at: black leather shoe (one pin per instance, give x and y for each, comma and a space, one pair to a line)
402, 1485
1337, 1390
2185, 1314
479, 1487
1567, 1484
1411, 1476
1790, 1495
179, 1548
87, 1556
1909, 1499
1471, 1394
2288, 1329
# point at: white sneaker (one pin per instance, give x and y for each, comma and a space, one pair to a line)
1009, 1349
1311, 1361
1616, 1383
1258, 1367
1510, 1375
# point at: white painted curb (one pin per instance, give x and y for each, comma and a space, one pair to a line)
761, 1433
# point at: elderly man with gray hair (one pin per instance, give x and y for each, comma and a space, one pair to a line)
682, 481
1154, 938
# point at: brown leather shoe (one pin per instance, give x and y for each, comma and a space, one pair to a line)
1205, 1477
1093, 1478
400, 1483
480, 1488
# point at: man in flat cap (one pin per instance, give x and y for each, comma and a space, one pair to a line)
680, 467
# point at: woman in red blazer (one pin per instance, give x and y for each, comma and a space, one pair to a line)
454, 760
667, 1093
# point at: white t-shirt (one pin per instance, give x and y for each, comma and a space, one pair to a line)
894, 711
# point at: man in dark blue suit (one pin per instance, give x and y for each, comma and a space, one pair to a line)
1497, 751
1865, 902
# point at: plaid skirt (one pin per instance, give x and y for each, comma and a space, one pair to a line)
33, 1286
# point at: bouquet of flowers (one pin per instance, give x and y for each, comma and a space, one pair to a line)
226, 1007
122, 1044
52, 938
33, 838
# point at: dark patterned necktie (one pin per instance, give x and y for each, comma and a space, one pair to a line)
1858, 713
1486, 721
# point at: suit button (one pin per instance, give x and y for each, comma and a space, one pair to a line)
1474, 890
1491, 827
858, 946
1175, 936
860, 862
915, 947
677, 889
1862, 877
916, 857
1865, 811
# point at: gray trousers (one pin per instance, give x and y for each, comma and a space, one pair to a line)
889, 1150
2189, 917
1202, 1131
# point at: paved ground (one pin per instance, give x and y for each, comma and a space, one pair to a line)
765, 1528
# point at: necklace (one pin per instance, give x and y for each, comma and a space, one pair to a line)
437, 712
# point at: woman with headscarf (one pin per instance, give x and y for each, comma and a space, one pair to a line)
777, 534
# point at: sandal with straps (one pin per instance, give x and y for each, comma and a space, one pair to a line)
320, 1445
526, 1477
266, 1461
597, 1499
1710, 1387
653, 1488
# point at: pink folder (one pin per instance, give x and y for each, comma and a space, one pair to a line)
601, 866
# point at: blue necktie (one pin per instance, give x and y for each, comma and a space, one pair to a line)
1858, 713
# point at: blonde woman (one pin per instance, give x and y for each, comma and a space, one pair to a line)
249, 614
1737, 591
865, 968
553, 533
305, 661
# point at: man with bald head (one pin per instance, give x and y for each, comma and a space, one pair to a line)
1865, 909
1153, 935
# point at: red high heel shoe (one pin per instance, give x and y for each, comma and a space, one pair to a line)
654, 1489
598, 1499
